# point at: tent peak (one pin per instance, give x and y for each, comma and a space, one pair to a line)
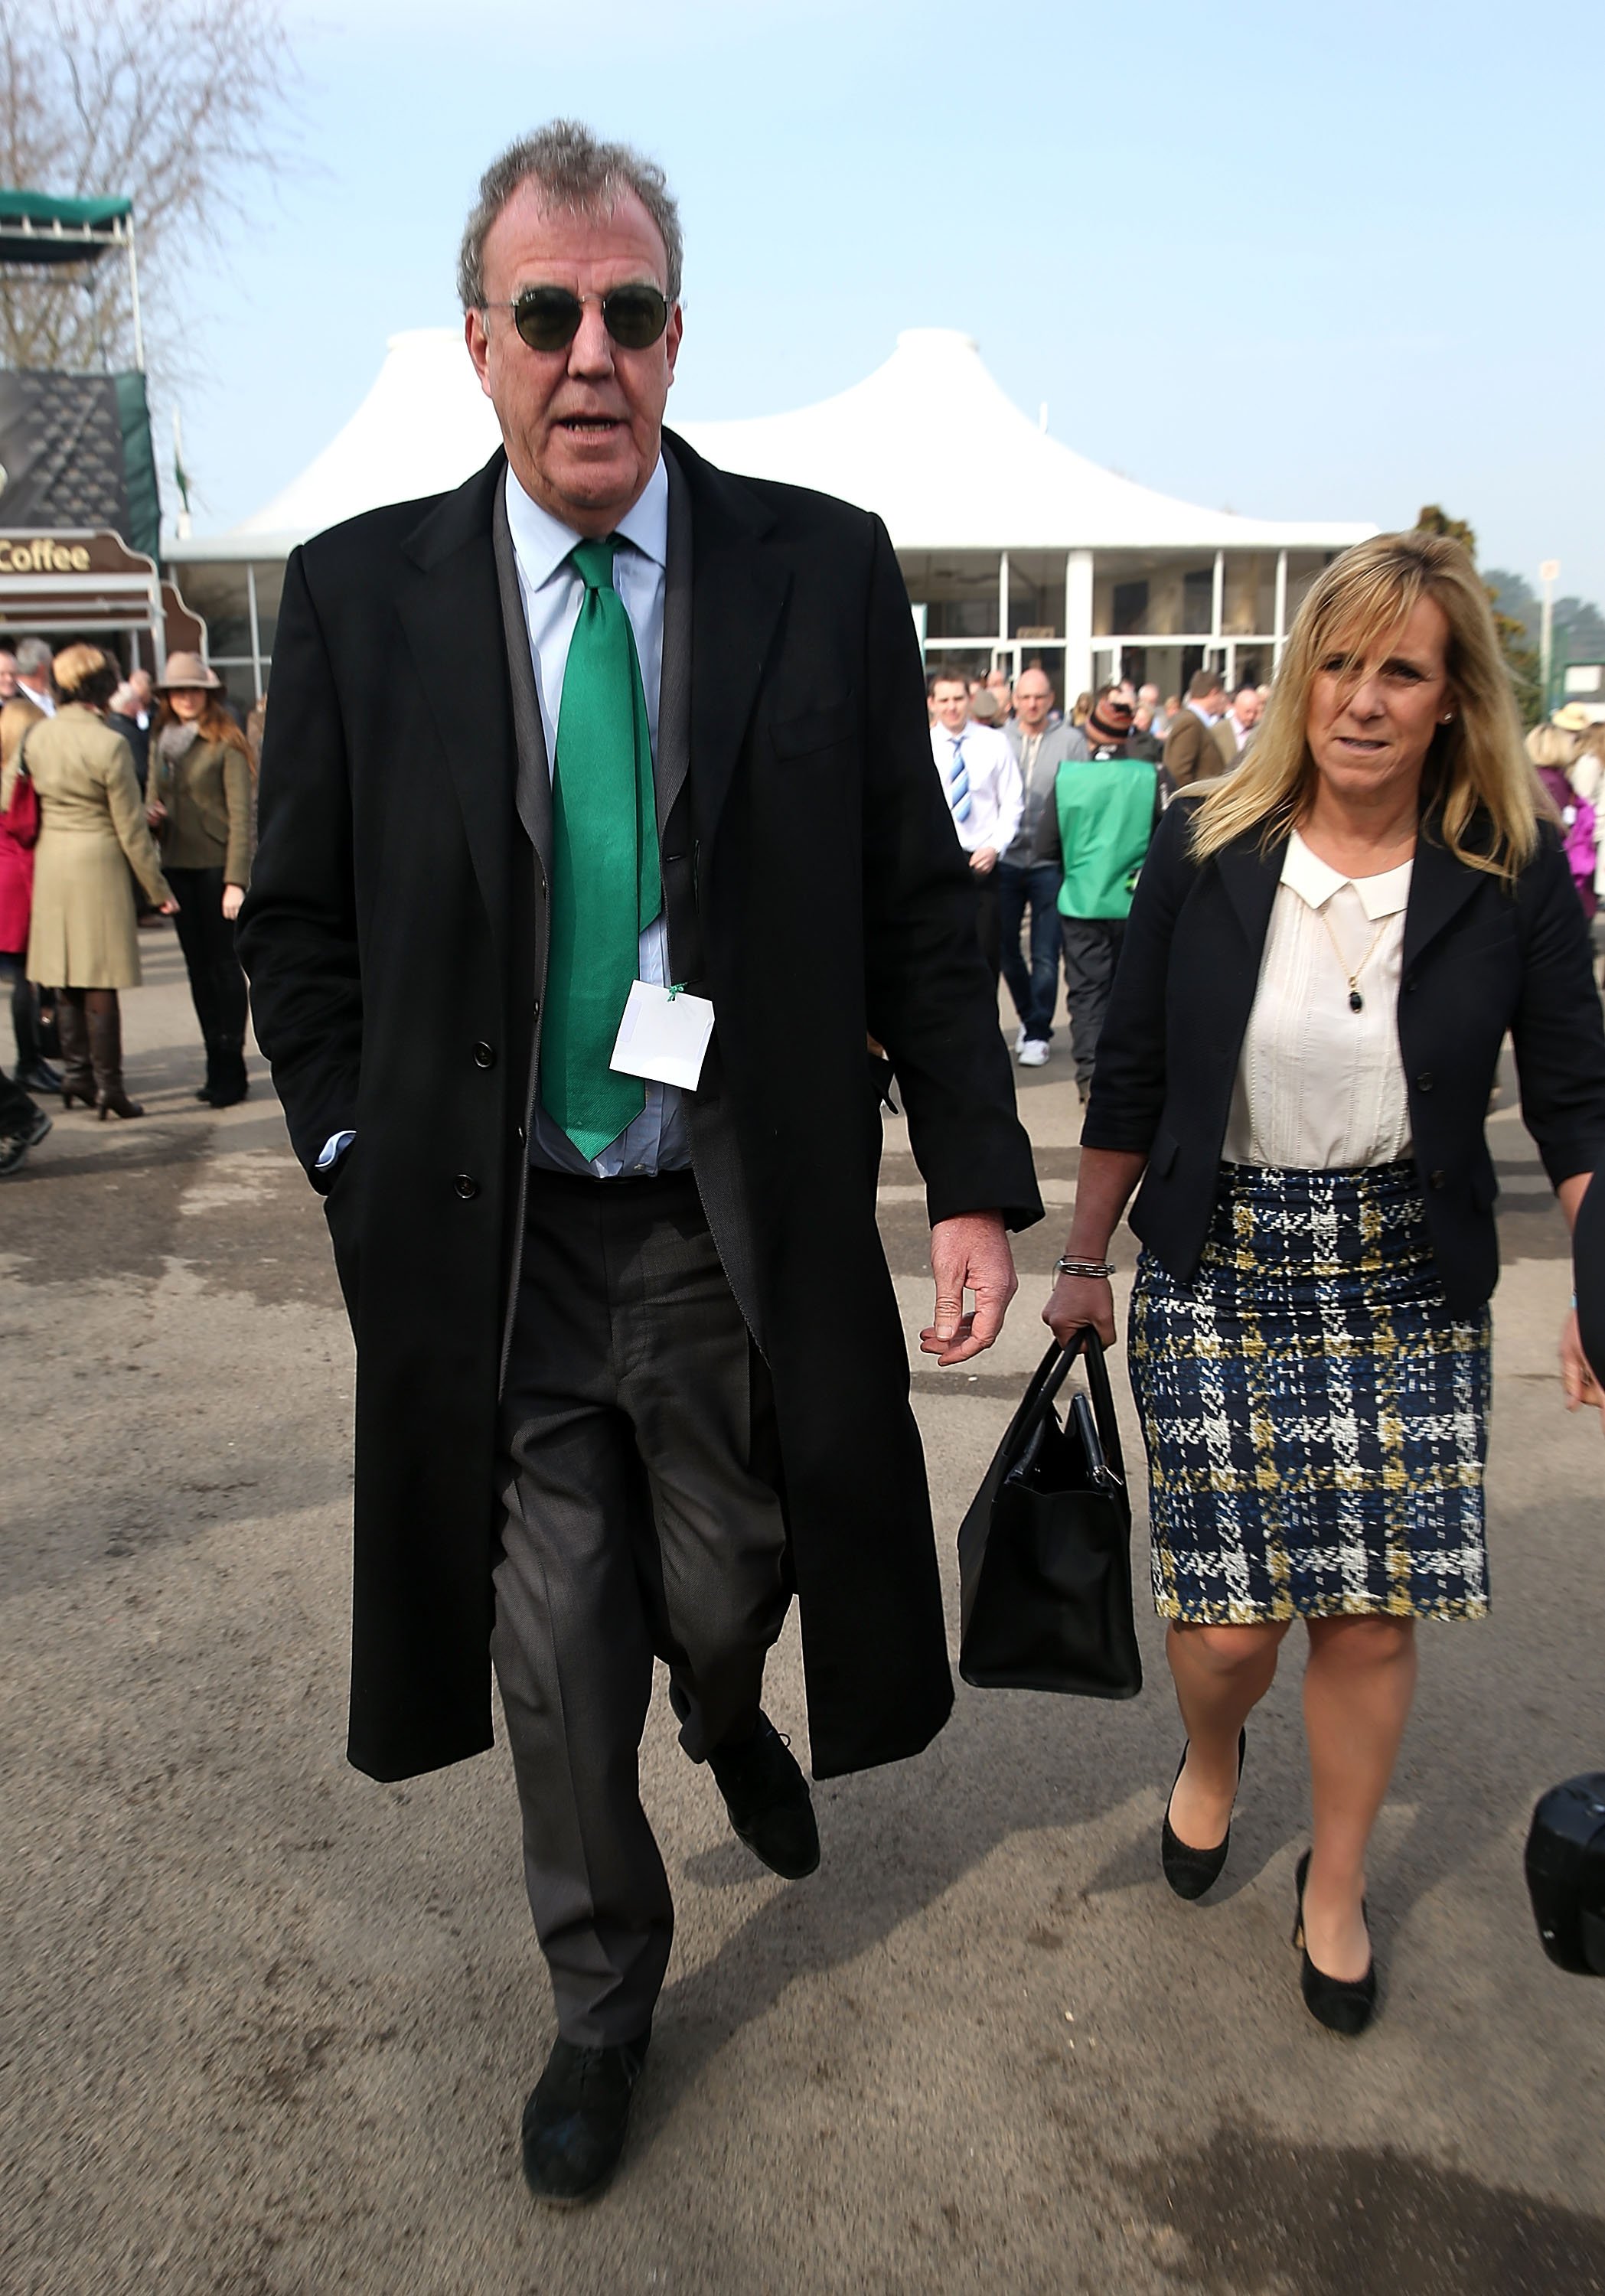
947, 340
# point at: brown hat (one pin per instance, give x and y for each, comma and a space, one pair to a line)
1111, 718
188, 670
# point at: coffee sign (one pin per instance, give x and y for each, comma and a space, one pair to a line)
42, 554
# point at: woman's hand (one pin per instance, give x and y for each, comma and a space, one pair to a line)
156, 813
167, 908
1076, 1302
234, 897
1577, 1382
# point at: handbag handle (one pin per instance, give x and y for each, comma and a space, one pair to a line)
1050, 1376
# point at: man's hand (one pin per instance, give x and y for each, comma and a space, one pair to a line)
970, 1253
1578, 1382
984, 859
233, 901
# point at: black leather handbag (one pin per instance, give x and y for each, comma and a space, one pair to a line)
1044, 1551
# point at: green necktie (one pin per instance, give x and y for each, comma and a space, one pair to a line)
606, 883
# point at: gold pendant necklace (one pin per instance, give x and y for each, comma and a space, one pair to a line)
1357, 1002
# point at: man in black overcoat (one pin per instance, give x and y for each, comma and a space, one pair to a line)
621, 1393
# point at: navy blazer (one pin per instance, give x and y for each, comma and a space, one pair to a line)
1481, 956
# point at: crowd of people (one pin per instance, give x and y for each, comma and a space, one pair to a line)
123, 801
1568, 752
1057, 812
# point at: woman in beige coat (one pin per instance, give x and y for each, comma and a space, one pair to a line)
92, 831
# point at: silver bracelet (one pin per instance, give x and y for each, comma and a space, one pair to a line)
1087, 1268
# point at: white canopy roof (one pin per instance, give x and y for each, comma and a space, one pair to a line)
928, 440
425, 427
932, 442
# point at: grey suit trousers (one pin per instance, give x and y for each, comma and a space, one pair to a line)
641, 1484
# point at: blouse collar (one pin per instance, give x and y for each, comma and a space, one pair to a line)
1315, 881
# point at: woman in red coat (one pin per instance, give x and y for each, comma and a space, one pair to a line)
19, 829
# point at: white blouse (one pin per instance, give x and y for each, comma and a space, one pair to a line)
1320, 1087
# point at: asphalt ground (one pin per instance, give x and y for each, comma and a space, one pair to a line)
265, 2026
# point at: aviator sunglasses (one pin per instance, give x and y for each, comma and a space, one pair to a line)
548, 319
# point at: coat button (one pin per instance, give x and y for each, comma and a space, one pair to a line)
1423, 1083
466, 1186
485, 1055
1434, 1180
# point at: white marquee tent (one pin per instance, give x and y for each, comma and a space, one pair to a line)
1014, 546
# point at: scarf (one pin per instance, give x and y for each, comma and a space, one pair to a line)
176, 741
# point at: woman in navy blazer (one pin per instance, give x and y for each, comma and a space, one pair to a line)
1326, 952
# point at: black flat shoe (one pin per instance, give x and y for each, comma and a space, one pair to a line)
771, 1809
1345, 2005
1191, 1872
576, 2117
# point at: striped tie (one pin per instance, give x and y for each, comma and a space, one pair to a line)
958, 782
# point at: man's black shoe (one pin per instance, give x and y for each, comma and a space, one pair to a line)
576, 2119
16, 1145
40, 1077
768, 1800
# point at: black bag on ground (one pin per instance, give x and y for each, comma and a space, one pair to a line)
1566, 1873
1044, 1551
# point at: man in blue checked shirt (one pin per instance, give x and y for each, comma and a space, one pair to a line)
980, 779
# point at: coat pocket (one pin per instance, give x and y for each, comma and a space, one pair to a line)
813, 729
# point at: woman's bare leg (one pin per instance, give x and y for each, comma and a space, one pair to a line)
1357, 1691
1221, 1674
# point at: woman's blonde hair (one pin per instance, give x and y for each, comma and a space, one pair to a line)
1476, 764
1551, 745
84, 673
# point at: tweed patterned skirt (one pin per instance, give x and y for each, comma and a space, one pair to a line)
1316, 1420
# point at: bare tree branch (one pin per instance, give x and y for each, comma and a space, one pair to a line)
187, 107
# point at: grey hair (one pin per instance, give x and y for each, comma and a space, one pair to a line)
575, 172
34, 655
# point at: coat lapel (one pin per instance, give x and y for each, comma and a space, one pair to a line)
674, 697
1250, 876
737, 593
451, 613
533, 790
1440, 886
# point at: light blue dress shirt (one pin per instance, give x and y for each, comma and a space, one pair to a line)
553, 591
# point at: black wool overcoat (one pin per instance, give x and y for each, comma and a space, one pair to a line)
392, 935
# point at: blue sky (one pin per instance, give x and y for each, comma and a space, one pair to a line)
1325, 261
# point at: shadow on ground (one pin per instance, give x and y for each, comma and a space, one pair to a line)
1254, 2213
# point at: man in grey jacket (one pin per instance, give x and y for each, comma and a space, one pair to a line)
1025, 883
